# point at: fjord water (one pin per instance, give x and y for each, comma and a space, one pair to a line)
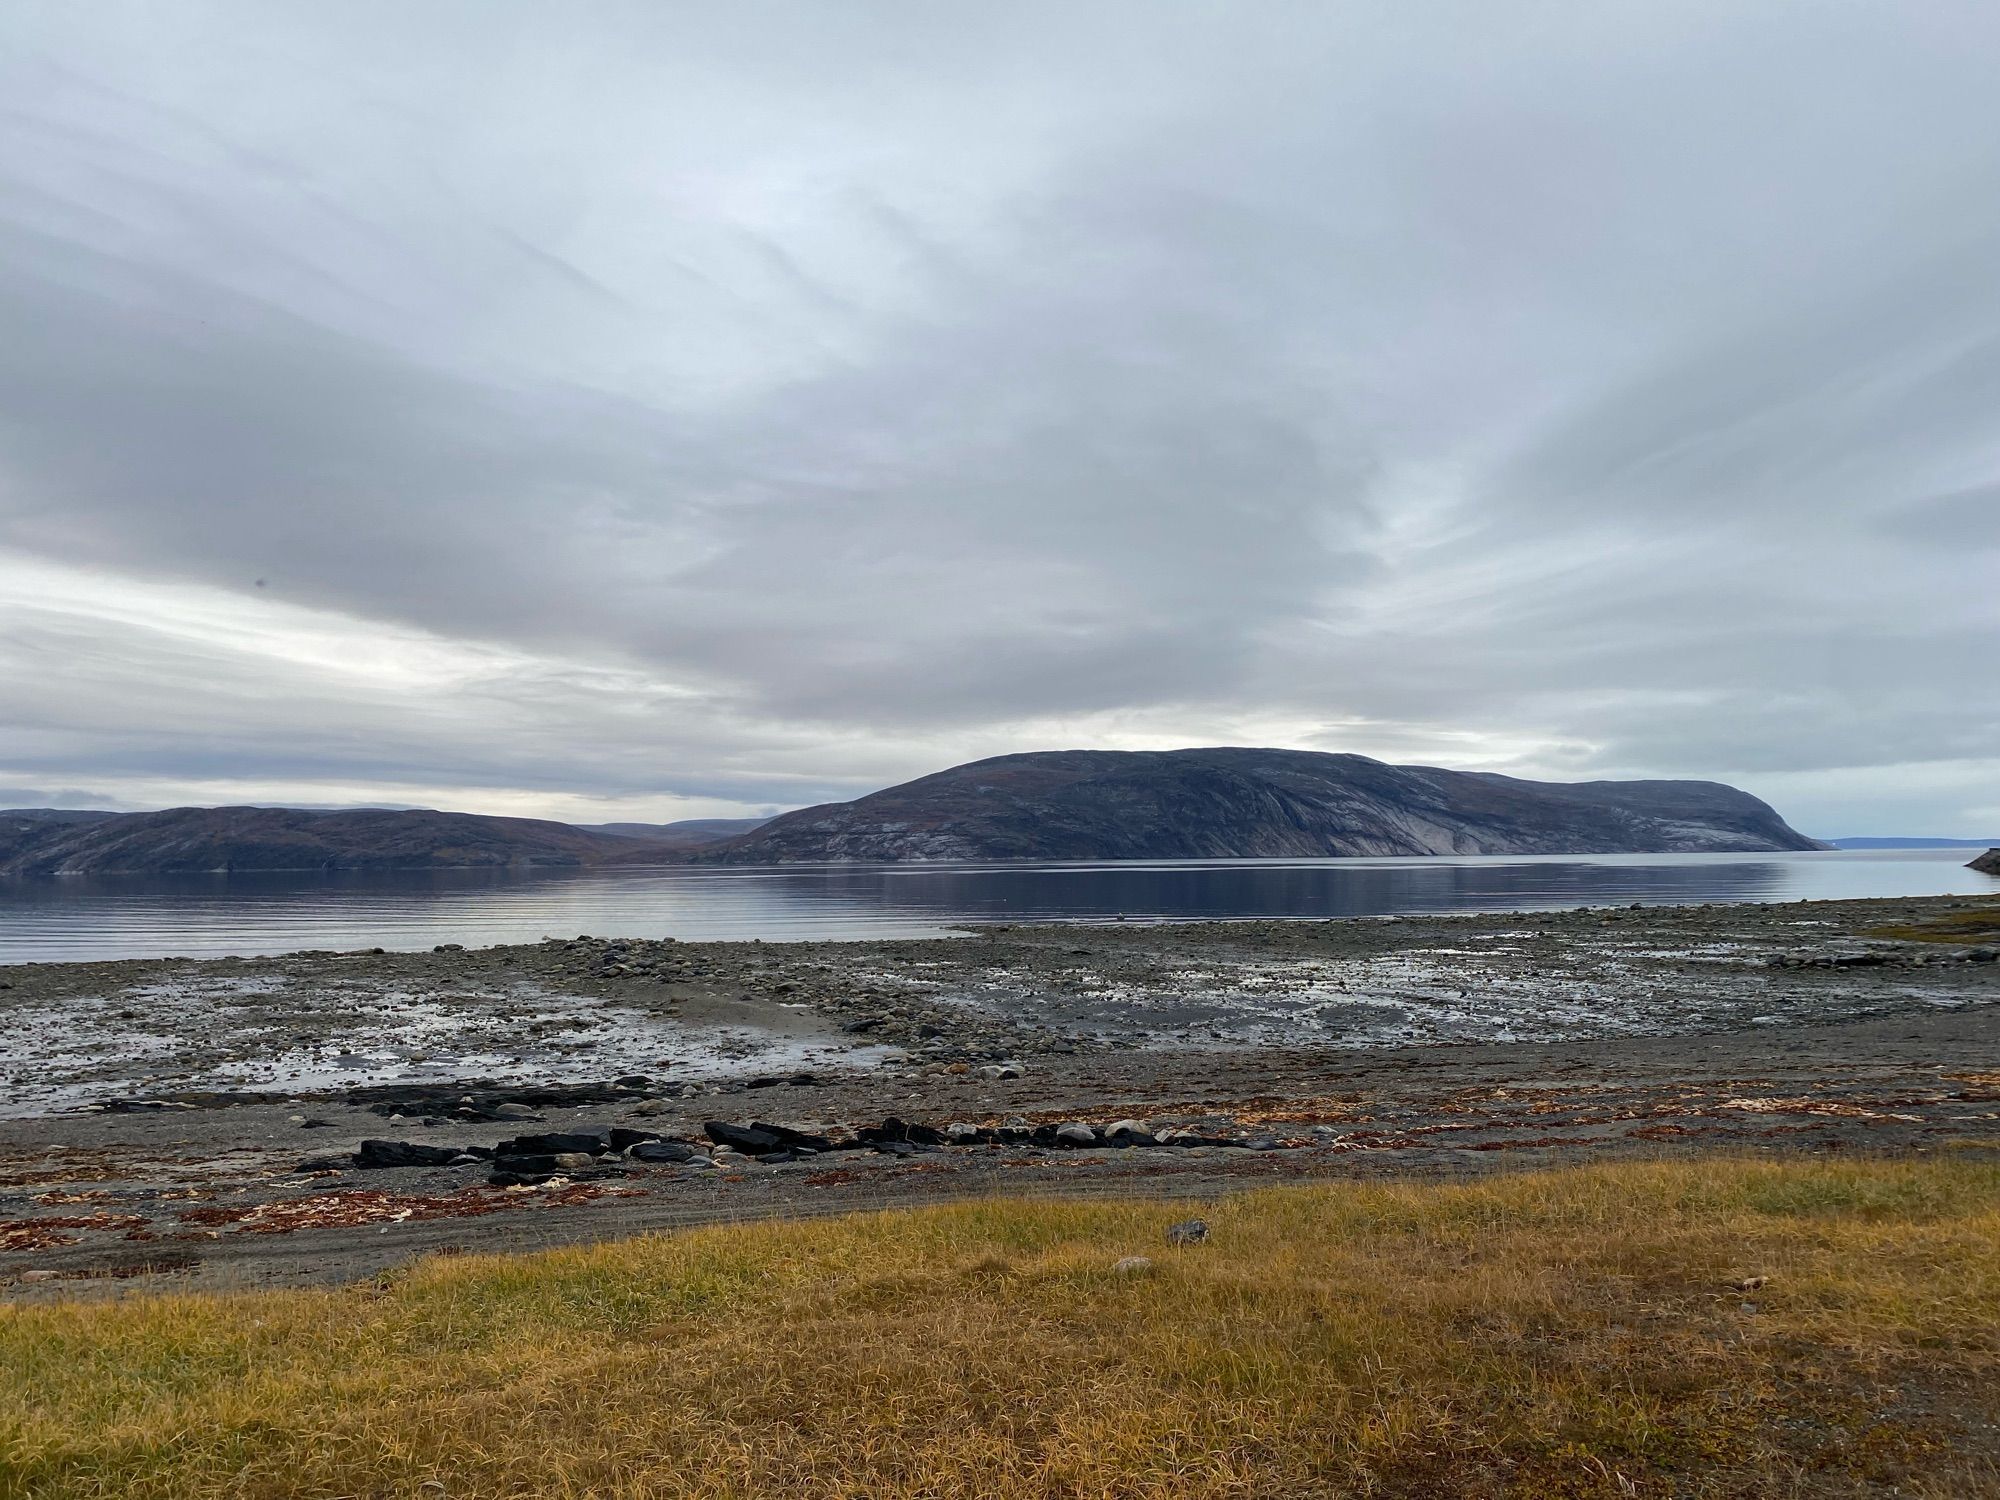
146, 917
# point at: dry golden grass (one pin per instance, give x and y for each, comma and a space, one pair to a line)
1565, 1333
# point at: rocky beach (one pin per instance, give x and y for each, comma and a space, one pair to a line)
324, 1116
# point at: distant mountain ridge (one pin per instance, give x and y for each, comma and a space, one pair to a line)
204, 840
688, 832
1229, 802
1893, 842
1217, 803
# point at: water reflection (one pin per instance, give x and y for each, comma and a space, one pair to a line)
118, 917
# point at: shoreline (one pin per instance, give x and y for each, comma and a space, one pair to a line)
1418, 1045
143, 918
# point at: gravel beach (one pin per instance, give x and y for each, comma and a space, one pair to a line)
183, 1122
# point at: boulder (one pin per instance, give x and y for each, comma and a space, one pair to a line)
553, 1142
1133, 1265
893, 1130
1130, 1133
622, 1139
995, 1072
752, 1139
1196, 1138
670, 1152
1074, 1133
404, 1154
539, 1165
761, 1137
1187, 1232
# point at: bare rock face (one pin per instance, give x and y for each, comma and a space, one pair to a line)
1987, 863
1243, 803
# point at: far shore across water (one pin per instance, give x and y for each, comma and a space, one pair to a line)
201, 1121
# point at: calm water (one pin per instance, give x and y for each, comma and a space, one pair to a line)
134, 917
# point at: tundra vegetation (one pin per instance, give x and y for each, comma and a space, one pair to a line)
1714, 1326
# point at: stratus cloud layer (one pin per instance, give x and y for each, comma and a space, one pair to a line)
650, 409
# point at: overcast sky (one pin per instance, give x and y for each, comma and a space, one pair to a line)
639, 411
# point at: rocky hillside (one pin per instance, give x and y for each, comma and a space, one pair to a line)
1987, 863
1241, 803
196, 840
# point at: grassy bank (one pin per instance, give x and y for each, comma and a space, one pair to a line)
1584, 1332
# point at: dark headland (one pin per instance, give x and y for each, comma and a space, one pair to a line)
1231, 803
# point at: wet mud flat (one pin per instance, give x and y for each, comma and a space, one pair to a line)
207, 1123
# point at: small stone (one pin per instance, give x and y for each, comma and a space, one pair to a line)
994, 1072
514, 1110
1187, 1232
1133, 1265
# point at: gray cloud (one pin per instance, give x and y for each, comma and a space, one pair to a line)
697, 407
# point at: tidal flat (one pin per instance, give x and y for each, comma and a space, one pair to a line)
201, 1122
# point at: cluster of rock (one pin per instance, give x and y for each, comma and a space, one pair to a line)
499, 1103
611, 959
1885, 957
585, 1155
888, 1012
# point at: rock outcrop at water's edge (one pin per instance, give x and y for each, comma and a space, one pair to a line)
1987, 863
1246, 803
